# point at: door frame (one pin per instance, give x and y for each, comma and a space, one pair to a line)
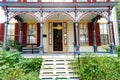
50, 44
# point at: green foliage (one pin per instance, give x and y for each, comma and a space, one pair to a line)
14, 45
118, 14
29, 64
12, 66
98, 68
107, 48
1, 43
118, 50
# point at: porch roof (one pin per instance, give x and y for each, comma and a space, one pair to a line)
56, 4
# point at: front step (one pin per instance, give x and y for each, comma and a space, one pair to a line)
57, 68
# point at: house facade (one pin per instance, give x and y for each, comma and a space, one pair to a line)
60, 26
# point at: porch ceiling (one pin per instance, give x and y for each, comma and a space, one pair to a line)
27, 18
88, 17
58, 16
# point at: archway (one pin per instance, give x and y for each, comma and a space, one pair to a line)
59, 28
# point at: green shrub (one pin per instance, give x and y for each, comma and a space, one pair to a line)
30, 64
1, 43
98, 68
12, 66
118, 50
107, 48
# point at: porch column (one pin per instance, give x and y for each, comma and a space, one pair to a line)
94, 36
77, 35
112, 46
41, 34
6, 28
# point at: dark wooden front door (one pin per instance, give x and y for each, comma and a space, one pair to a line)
57, 40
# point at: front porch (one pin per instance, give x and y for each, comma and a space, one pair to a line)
83, 51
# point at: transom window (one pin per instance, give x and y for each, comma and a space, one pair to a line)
57, 0
31, 34
11, 31
104, 34
83, 33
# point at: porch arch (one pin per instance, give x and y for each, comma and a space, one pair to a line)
29, 13
64, 13
95, 13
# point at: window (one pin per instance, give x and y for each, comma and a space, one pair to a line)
83, 33
11, 31
104, 34
32, 0
101, 0
65, 33
82, 1
31, 34
50, 33
12, 0
57, 0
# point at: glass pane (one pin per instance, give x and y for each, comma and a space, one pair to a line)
104, 33
65, 33
57, 0
12, 0
82, 0
83, 34
31, 0
11, 30
50, 33
32, 33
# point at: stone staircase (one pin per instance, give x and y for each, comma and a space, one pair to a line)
57, 68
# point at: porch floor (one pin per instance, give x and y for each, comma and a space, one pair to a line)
83, 51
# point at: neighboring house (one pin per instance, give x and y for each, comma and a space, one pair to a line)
59, 25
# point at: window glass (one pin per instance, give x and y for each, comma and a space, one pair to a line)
31, 0
83, 34
31, 35
12, 0
101, 0
11, 30
81, 0
57, 0
104, 34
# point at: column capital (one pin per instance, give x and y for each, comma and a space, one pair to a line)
5, 10
110, 10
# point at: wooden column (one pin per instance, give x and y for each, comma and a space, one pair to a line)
6, 28
112, 46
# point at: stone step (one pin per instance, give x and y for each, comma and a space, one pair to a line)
57, 68
53, 77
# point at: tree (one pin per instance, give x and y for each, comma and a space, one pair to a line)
118, 13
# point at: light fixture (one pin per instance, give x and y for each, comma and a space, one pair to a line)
59, 27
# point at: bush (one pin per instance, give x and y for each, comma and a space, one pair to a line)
118, 50
98, 68
12, 66
1, 43
29, 64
